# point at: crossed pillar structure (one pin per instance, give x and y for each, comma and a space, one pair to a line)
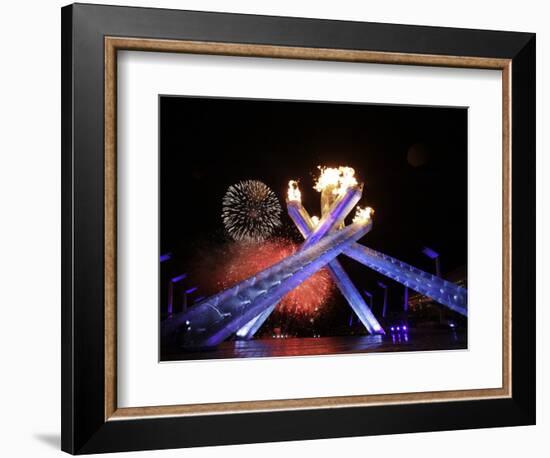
213, 320
243, 308
332, 218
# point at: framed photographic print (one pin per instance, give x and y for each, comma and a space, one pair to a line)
240, 228
283, 228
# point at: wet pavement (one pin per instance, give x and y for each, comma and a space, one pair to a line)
412, 340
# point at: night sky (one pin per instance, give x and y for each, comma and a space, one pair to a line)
413, 161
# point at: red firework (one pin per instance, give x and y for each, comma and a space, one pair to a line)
242, 260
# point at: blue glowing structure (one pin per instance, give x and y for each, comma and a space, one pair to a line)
385, 305
442, 291
434, 256
371, 299
335, 216
215, 319
305, 225
243, 308
171, 284
445, 292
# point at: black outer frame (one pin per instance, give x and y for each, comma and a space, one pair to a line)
84, 429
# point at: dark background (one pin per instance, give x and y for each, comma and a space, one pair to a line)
413, 161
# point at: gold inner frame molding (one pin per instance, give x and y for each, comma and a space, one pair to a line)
114, 44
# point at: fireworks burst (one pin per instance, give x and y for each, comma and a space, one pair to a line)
250, 211
237, 261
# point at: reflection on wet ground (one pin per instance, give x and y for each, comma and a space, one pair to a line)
412, 340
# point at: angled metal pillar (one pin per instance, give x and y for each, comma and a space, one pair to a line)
445, 292
353, 296
334, 216
215, 319
251, 328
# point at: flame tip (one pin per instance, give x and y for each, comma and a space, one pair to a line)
363, 215
338, 178
294, 194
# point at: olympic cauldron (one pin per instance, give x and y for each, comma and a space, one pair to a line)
243, 308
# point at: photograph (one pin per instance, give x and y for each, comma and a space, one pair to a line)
296, 228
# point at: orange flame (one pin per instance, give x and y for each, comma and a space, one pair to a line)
340, 179
294, 193
363, 215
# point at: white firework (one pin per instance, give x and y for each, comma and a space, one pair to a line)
250, 211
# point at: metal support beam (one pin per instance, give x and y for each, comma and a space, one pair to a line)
445, 292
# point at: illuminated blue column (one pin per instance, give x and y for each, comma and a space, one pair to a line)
215, 319
335, 216
186, 295
171, 284
385, 306
434, 256
369, 295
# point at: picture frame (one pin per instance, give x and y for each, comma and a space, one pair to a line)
92, 35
